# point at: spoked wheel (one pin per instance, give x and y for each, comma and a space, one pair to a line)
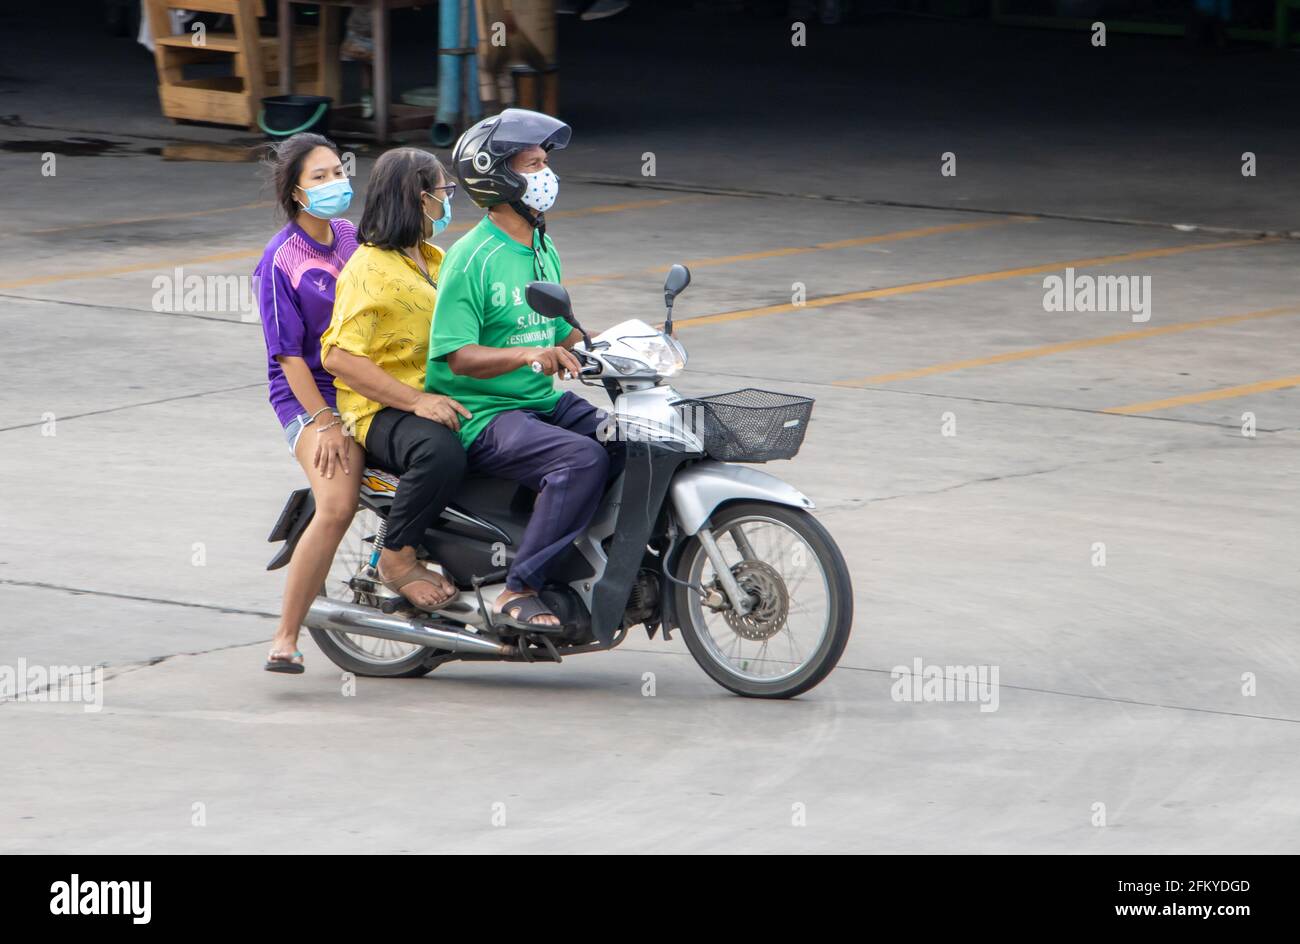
803, 601
351, 579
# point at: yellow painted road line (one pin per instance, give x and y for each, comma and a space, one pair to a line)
620, 207
263, 204
801, 250
154, 266
1225, 393
246, 254
976, 279
259, 205
1058, 348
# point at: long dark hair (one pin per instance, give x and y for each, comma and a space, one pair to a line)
392, 218
284, 166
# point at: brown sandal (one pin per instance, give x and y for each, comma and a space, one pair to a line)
418, 573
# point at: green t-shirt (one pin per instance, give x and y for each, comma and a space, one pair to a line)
481, 301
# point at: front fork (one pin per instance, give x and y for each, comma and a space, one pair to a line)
741, 601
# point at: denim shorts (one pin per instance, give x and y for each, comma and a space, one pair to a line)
293, 429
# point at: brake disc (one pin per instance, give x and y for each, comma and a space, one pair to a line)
771, 606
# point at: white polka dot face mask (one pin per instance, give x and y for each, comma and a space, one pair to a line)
543, 188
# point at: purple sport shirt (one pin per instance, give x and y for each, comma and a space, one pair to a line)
295, 295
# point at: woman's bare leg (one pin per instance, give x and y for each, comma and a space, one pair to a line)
336, 505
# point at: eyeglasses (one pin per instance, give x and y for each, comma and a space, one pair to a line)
449, 191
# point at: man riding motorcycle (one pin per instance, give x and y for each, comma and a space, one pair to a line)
491, 352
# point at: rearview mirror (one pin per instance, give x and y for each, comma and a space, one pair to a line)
550, 300
678, 278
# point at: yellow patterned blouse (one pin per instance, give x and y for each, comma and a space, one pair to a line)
382, 310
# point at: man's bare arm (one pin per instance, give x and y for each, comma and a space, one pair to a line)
482, 363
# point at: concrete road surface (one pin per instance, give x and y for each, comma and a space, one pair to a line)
1096, 509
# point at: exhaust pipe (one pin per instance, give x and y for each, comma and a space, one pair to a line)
465, 609
366, 621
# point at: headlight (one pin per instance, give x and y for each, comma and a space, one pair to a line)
661, 354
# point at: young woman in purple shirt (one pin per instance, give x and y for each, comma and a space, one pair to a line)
295, 295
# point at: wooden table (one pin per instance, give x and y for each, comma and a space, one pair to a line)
388, 116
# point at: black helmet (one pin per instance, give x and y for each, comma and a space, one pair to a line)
481, 157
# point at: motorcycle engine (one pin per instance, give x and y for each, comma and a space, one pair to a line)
643, 603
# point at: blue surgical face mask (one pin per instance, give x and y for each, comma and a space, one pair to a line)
329, 200
440, 224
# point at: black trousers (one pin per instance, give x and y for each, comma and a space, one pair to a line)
429, 460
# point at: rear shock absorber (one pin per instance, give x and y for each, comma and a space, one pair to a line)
379, 544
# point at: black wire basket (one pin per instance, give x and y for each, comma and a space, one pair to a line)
748, 425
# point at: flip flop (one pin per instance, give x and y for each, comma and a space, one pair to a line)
285, 663
519, 611
417, 573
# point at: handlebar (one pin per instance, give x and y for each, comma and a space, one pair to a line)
591, 368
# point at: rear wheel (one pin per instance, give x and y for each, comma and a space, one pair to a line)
803, 601
351, 579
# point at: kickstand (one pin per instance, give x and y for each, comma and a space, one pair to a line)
550, 647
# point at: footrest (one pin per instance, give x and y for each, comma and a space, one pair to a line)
506, 629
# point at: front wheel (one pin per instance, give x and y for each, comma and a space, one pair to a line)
803, 601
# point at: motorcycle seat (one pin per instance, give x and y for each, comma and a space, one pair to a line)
500, 501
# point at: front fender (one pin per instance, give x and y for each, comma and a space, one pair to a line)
701, 487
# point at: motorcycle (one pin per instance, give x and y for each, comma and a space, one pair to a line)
686, 537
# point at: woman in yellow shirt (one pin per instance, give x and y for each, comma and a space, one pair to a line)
376, 347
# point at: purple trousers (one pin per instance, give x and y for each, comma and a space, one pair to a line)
557, 455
